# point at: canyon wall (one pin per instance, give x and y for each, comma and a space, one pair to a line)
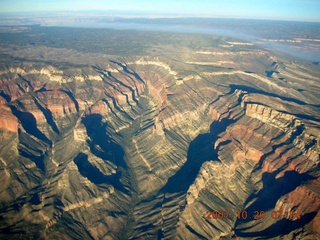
147, 147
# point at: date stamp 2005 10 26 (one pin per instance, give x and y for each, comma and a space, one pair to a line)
255, 215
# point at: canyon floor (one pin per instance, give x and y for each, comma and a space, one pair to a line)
133, 134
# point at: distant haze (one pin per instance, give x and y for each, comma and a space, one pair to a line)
281, 36
299, 10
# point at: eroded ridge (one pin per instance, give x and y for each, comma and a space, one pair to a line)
144, 146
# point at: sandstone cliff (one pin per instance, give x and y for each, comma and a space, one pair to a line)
145, 147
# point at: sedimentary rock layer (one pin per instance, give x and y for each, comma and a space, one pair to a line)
147, 147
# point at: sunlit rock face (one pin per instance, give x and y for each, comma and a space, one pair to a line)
147, 147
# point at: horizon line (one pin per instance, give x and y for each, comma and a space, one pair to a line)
152, 15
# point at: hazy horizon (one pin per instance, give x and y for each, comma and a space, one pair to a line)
296, 10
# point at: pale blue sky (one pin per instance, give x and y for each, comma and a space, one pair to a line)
305, 10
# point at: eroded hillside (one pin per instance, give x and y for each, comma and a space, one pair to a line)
146, 146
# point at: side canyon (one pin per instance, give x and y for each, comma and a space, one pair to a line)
144, 145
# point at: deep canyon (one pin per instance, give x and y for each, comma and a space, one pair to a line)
143, 141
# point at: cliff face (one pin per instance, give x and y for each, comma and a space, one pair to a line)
147, 147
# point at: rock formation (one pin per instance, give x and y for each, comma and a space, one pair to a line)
147, 146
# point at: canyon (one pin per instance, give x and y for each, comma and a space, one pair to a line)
142, 142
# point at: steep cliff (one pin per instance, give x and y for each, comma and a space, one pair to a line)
146, 147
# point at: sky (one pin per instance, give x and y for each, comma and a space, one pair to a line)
300, 10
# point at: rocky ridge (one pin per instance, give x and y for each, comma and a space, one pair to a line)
143, 147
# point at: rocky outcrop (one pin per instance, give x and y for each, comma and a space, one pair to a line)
151, 147
8, 121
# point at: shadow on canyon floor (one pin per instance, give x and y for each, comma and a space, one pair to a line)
104, 147
266, 199
201, 149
